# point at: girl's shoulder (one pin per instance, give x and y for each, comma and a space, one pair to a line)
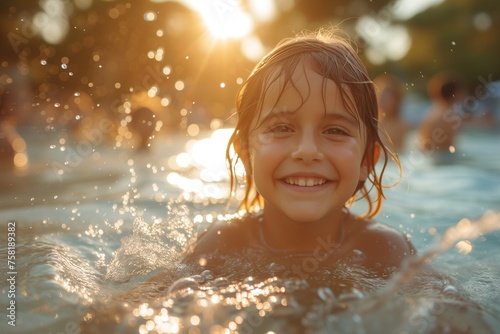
226, 236
382, 245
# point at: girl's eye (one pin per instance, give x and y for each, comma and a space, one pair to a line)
280, 128
336, 131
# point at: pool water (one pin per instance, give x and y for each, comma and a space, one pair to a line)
98, 244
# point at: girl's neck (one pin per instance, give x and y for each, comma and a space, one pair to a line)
283, 234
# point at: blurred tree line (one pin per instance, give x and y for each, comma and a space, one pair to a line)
456, 36
115, 50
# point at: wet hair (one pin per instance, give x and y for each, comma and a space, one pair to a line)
333, 58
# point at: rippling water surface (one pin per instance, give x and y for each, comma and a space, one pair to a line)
98, 248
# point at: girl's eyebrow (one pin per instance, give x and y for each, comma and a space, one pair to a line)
329, 116
275, 113
345, 116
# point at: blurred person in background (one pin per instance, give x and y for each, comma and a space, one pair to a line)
142, 126
13, 154
393, 127
440, 125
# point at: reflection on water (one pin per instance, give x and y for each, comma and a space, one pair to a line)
99, 248
345, 300
204, 159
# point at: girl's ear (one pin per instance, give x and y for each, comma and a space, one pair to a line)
367, 165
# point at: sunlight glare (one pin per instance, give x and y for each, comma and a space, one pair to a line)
52, 23
210, 152
405, 9
224, 19
385, 41
207, 157
233, 25
252, 48
263, 10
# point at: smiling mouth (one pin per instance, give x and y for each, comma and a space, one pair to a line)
305, 181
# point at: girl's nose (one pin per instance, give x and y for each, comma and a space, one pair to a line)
307, 149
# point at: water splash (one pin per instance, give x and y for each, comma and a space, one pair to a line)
465, 229
154, 245
436, 304
411, 301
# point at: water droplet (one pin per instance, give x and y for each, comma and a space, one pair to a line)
179, 85
64, 66
449, 290
296, 284
183, 284
358, 255
149, 16
464, 246
208, 275
221, 282
453, 43
355, 294
326, 294
167, 70
198, 278
276, 268
43, 62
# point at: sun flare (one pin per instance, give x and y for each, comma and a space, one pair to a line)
235, 25
229, 22
224, 19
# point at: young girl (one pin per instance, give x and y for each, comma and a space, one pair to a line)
307, 135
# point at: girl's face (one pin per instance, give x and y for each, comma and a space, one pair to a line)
306, 150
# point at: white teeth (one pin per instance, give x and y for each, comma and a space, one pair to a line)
305, 181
